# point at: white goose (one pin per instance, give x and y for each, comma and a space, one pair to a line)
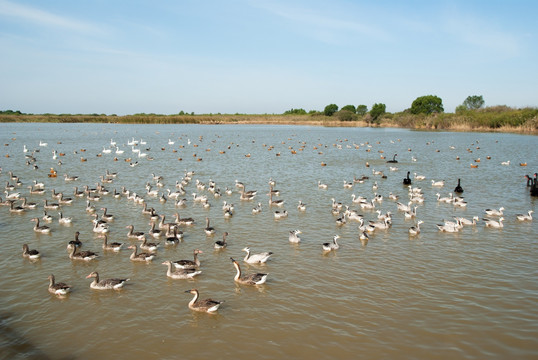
494, 212
249, 279
415, 230
332, 245
523, 217
439, 183
107, 284
293, 237
256, 258
494, 223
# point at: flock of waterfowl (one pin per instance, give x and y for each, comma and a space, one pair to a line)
205, 194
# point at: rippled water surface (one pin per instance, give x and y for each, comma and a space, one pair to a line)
470, 294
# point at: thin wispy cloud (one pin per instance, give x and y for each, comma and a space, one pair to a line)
326, 26
37, 16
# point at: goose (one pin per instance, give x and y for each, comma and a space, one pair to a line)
209, 230
46, 217
403, 207
450, 227
175, 237
64, 200
228, 191
280, 214
143, 256
393, 168
272, 202
393, 161
465, 221
83, 255
44, 229
15, 209
221, 244
257, 209
336, 205
64, 220
322, 185
76, 243
30, 254
249, 279
260, 258
42, 143
348, 184
446, 199
152, 247
412, 213
375, 186
114, 246
206, 305
180, 273
332, 245
189, 264
134, 234
12, 196
301, 206
181, 202
70, 178
368, 205
60, 288
183, 221
107, 284
493, 212
419, 177
357, 199
100, 228
506, 163
105, 216
363, 237
494, 223
293, 238
458, 188
523, 217
439, 183
341, 220
154, 232
415, 230
89, 207
407, 179
383, 224
36, 191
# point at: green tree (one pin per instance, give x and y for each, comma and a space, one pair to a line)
295, 112
362, 109
330, 109
474, 102
350, 108
427, 105
345, 115
377, 111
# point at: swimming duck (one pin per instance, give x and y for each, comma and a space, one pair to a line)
107, 284
249, 279
206, 305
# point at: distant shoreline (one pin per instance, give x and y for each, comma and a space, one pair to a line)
514, 121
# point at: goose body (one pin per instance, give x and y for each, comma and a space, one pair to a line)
83, 255
60, 288
523, 217
439, 183
206, 305
332, 245
209, 230
189, 264
293, 237
142, 257
256, 258
134, 235
494, 212
43, 229
107, 284
280, 214
220, 244
31, 254
113, 246
494, 223
415, 230
248, 279
180, 273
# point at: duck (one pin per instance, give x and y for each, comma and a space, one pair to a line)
221, 244
494, 223
83, 255
44, 229
60, 288
107, 284
143, 256
332, 245
415, 230
458, 188
180, 273
248, 279
494, 212
209, 230
206, 305
293, 236
189, 264
523, 217
134, 234
31, 254
407, 179
256, 258
113, 246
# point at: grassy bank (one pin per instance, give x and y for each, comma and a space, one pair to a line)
500, 118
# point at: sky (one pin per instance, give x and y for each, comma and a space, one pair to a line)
263, 57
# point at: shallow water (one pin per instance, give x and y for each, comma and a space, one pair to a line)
470, 294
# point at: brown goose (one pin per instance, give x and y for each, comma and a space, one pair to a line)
60, 289
188, 264
83, 255
249, 279
107, 284
114, 246
30, 254
147, 257
206, 305
180, 273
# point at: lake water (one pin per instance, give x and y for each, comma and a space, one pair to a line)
470, 294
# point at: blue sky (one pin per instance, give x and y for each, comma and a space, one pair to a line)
245, 56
